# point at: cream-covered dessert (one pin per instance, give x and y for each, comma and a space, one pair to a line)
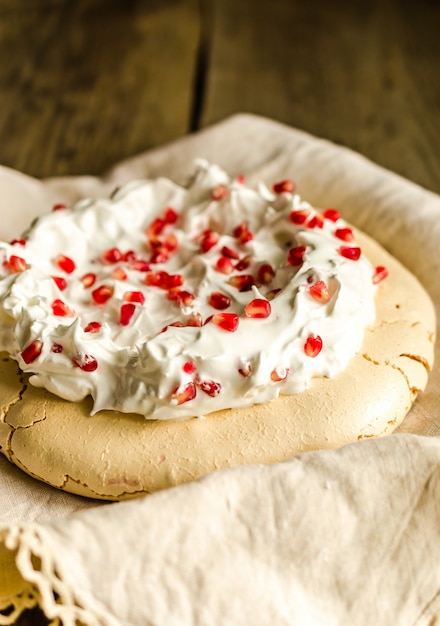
175, 302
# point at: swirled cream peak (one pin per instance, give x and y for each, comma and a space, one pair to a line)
175, 301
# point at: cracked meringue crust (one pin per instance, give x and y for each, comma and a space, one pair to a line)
106, 457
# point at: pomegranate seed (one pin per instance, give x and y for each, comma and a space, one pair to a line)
65, 263
134, 296
161, 255
57, 348
241, 179
210, 387
380, 273
315, 222
183, 297
163, 280
350, 252
155, 228
59, 206
18, 242
170, 242
139, 265
295, 256
242, 233
208, 240
16, 264
258, 308
85, 362
32, 351
284, 186
331, 214
272, 294
88, 279
126, 313
278, 374
129, 256
119, 273
226, 321
346, 234
313, 346
265, 274
180, 396
103, 293
230, 253
219, 301
112, 255
319, 291
61, 309
170, 215
243, 263
189, 367
60, 282
195, 319
93, 327
224, 265
219, 192
299, 216
244, 282
246, 370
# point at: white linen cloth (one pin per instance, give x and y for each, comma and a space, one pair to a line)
350, 536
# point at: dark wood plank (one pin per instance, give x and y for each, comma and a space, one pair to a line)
86, 83
364, 74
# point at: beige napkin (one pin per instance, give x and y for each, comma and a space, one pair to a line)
336, 537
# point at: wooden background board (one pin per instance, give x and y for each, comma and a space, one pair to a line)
85, 83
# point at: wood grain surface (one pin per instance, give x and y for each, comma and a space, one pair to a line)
86, 83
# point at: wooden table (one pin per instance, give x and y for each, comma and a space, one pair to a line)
86, 83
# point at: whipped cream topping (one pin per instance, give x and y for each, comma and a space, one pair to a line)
175, 301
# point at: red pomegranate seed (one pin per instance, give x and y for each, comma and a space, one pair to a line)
346, 234
188, 393
313, 345
103, 293
315, 222
155, 228
299, 216
129, 256
265, 274
88, 279
241, 179
219, 192
119, 273
210, 387
161, 255
319, 292
278, 374
163, 280
258, 308
112, 255
208, 240
18, 242
242, 233
93, 327
65, 263
85, 362
219, 301
380, 273
295, 256
126, 313
134, 296
243, 263
195, 319
224, 265
349, 252
139, 265
57, 348
189, 367
61, 309
32, 351
60, 282
183, 297
170, 215
230, 253
170, 242
244, 282
226, 321
331, 214
284, 186
16, 264
246, 370
59, 206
